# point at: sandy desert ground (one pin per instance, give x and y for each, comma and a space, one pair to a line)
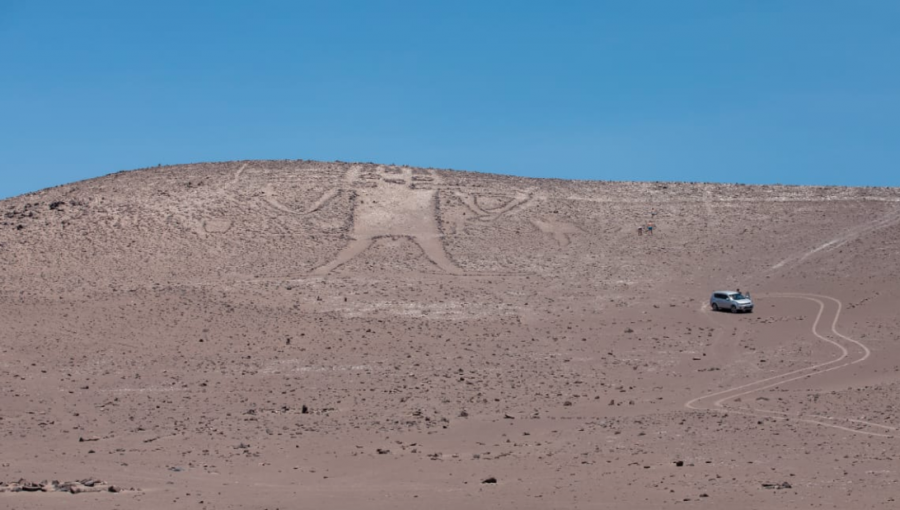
296, 334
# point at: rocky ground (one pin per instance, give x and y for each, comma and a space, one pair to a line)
278, 334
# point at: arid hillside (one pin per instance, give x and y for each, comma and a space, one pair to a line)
287, 334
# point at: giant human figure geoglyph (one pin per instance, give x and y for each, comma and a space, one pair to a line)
392, 202
397, 202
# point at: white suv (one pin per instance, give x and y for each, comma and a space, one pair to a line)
730, 300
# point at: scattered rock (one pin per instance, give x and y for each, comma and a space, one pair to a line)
31, 487
76, 487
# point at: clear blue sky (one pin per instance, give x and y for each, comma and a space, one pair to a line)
762, 91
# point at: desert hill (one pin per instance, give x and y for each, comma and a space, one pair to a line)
261, 334
268, 219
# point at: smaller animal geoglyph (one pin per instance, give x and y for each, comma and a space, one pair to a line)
560, 230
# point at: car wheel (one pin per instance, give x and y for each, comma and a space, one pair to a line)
715, 307
733, 309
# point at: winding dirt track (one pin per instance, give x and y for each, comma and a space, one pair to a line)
848, 347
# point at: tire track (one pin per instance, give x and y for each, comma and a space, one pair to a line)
722, 397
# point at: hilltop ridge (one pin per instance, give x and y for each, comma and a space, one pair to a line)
249, 218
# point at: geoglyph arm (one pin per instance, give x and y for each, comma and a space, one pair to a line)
324, 199
269, 197
471, 202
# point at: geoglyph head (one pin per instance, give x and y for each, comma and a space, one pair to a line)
373, 176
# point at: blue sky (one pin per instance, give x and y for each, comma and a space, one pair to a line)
786, 91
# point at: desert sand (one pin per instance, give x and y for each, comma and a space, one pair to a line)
297, 334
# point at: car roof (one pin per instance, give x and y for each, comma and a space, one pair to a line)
725, 292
